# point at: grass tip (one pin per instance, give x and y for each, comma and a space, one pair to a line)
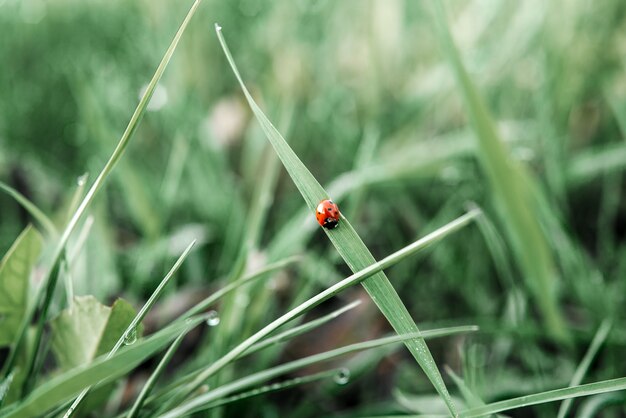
218, 28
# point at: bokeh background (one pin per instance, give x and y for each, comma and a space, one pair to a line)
364, 95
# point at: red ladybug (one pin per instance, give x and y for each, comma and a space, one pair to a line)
327, 214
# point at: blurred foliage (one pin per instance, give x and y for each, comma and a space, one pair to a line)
363, 94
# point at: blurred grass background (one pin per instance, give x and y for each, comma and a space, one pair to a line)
364, 94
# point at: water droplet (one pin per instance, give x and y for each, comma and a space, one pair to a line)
130, 337
342, 377
213, 318
82, 179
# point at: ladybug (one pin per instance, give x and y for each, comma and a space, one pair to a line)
327, 214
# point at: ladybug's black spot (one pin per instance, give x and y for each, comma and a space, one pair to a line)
330, 223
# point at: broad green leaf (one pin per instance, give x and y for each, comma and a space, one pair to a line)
348, 244
15, 272
64, 387
88, 329
513, 189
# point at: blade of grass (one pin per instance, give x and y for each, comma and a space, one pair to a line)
283, 336
275, 387
256, 378
548, 396
513, 188
300, 329
147, 388
582, 368
327, 294
348, 244
132, 327
46, 289
31, 208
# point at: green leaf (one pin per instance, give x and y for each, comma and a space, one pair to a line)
15, 272
64, 387
513, 189
88, 329
348, 244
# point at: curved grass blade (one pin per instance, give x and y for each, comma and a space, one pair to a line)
327, 294
582, 368
46, 290
512, 187
256, 378
62, 388
134, 324
283, 336
348, 244
300, 329
275, 387
548, 396
34, 211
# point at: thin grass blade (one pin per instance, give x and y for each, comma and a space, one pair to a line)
582, 368
328, 293
147, 388
265, 375
512, 187
548, 396
348, 244
31, 208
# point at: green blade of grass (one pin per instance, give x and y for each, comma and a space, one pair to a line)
283, 336
325, 295
275, 387
348, 244
548, 396
513, 189
134, 324
582, 368
256, 378
147, 388
300, 329
31, 208
46, 289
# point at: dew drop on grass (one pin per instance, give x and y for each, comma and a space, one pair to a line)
213, 318
342, 377
80, 181
130, 337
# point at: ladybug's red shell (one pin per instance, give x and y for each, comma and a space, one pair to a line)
327, 214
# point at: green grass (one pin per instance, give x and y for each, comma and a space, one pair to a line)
475, 149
